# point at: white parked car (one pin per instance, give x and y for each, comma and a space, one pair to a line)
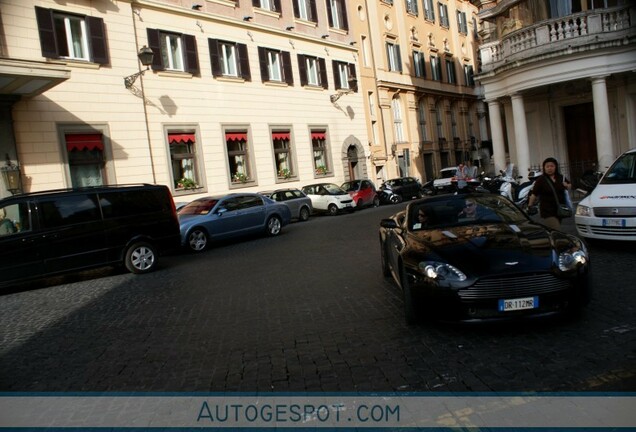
609, 211
444, 182
329, 197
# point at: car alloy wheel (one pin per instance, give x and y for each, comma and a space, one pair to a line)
197, 240
274, 226
396, 199
376, 201
304, 214
332, 210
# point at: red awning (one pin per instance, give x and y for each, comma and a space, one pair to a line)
281, 136
317, 135
180, 138
79, 142
235, 136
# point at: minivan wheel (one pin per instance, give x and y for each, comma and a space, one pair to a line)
304, 214
198, 240
274, 226
332, 210
140, 258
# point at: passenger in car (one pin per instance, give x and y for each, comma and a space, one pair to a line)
6, 225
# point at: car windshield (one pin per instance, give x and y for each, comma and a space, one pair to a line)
201, 206
449, 173
351, 186
333, 189
459, 210
622, 171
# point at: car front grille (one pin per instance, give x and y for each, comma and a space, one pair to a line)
622, 212
514, 286
608, 231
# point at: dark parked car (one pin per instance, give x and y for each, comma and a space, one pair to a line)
363, 193
405, 188
478, 257
53, 232
224, 216
299, 204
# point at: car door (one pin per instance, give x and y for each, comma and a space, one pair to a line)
226, 220
73, 232
368, 192
251, 213
20, 244
290, 199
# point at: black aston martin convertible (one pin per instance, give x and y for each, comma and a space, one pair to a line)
478, 257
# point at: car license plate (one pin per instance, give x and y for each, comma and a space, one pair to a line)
506, 305
614, 222
348, 205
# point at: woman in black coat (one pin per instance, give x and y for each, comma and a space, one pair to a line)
543, 193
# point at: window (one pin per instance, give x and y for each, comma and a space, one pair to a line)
281, 140
319, 146
183, 159
393, 57
70, 36
343, 73
450, 71
436, 68
270, 5
429, 10
313, 71
366, 58
86, 160
422, 119
443, 15
371, 99
419, 64
275, 65
453, 116
462, 25
337, 13
173, 51
397, 120
238, 156
440, 123
69, 210
469, 75
411, 7
305, 9
14, 218
229, 59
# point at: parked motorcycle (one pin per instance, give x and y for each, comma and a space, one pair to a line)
387, 196
519, 193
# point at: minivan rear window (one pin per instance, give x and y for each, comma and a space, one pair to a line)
133, 202
68, 210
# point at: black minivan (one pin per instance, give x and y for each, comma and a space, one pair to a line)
52, 232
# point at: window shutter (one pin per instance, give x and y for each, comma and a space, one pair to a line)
287, 68
302, 69
244, 62
277, 6
296, 9
46, 29
336, 75
399, 58
262, 59
352, 74
256, 3
345, 21
153, 43
214, 57
323, 73
329, 13
191, 57
314, 13
99, 51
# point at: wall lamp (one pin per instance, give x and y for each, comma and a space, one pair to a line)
145, 55
353, 87
11, 177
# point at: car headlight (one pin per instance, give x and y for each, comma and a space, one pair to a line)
582, 210
571, 260
441, 271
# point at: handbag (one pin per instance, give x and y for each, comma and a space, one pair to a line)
563, 210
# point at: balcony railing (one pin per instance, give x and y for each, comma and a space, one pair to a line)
577, 30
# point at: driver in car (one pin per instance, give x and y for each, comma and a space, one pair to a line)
474, 211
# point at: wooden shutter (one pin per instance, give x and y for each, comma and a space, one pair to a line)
345, 21
214, 57
287, 68
277, 6
256, 3
191, 57
155, 46
329, 16
352, 74
262, 60
97, 37
46, 29
302, 69
323, 73
244, 62
314, 13
336, 75
296, 9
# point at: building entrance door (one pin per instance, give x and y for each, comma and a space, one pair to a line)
581, 139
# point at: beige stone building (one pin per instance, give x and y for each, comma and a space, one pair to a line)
238, 95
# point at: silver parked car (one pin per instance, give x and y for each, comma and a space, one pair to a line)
299, 204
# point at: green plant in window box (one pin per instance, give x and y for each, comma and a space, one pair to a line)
284, 173
187, 183
321, 170
239, 178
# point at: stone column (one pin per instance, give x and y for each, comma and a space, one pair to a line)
604, 146
521, 134
496, 128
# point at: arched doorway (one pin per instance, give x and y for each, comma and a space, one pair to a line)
354, 159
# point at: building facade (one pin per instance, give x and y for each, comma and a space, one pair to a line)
237, 96
559, 79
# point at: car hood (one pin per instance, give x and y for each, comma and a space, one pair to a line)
608, 195
481, 250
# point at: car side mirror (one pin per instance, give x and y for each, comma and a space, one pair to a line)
221, 210
388, 223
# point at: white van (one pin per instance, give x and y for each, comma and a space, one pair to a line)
609, 212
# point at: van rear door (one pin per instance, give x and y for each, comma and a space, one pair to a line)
72, 232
